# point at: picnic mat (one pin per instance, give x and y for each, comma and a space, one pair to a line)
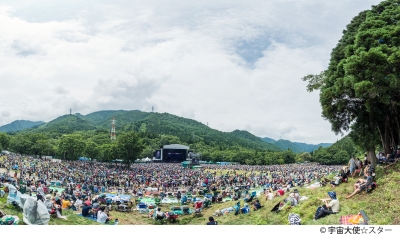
225, 199
60, 190
227, 210
169, 200
123, 197
344, 220
147, 200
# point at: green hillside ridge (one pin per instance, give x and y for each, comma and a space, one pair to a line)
193, 131
187, 130
338, 153
268, 140
102, 119
310, 147
19, 125
64, 125
154, 129
286, 144
296, 147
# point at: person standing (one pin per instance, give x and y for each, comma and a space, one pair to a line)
40, 193
352, 164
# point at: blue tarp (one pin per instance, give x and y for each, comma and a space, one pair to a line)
84, 159
123, 197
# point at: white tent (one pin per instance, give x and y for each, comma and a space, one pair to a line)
147, 159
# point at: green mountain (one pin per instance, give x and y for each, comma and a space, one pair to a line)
64, 125
19, 125
268, 140
191, 131
286, 144
102, 119
296, 147
310, 148
186, 130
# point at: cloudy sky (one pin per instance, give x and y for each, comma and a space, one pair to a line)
233, 64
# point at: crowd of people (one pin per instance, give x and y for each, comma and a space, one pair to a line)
94, 177
83, 181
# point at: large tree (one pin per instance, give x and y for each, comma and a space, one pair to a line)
130, 146
91, 150
4, 140
71, 146
360, 88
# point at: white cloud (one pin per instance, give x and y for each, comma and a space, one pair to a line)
234, 64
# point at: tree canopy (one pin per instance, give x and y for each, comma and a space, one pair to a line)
360, 88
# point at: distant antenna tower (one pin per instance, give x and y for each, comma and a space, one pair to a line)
113, 134
152, 109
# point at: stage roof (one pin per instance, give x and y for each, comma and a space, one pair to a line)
176, 146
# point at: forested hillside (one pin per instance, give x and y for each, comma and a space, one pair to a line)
19, 125
296, 147
338, 153
89, 135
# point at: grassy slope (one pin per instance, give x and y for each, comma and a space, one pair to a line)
381, 206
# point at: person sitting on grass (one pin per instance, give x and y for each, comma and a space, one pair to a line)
343, 176
86, 211
269, 195
66, 203
336, 180
280, 192
53, 208
211, 221
102, 217
256, 204
362, 185
78, 203
329, 208
297, 195
159, 214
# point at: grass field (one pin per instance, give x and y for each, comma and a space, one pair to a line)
382, 206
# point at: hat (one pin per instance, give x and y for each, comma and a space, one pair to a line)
332, 195
49, 197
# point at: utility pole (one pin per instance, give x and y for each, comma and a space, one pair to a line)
113, 134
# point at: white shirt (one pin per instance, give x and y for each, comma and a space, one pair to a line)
334, 204
78, 202
270, 196
101, 217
